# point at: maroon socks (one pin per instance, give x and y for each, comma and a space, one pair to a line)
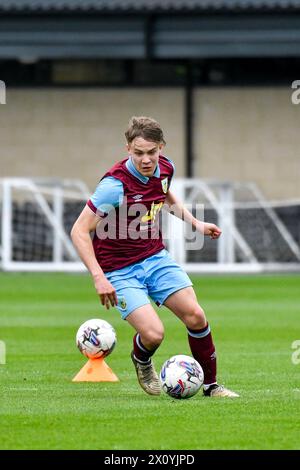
203, 350
141, 353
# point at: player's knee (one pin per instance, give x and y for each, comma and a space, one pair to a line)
155, 337
196, 318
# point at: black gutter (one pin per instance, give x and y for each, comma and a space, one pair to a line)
189, 124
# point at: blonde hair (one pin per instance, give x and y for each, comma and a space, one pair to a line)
145, 127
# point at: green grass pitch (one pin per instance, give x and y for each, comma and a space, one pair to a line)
254, 321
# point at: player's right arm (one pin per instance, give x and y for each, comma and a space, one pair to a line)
180, 211
80, 234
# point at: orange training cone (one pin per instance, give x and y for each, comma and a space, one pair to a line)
95, 370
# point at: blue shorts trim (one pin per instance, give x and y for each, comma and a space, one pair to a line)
155, 278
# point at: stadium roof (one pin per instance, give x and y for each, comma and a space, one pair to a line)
144, 6
143, 29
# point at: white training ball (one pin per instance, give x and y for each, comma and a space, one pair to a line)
96, 338
181, 376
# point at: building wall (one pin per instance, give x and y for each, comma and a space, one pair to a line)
80, 133
249, 134
241, 134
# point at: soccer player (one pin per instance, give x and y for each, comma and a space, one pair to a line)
128, 261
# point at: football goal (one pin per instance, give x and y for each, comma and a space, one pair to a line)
258, 235
36, 218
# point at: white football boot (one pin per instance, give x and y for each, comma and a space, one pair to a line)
147, 376
216, 390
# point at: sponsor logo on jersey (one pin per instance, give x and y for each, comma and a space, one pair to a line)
138, 197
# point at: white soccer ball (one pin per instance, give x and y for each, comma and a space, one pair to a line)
96, 338
181, 376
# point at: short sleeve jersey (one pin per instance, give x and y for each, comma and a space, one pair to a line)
128, 205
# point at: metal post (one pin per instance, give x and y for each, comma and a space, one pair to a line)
6, 224
176, 228
189, 122
58, 212
225, 253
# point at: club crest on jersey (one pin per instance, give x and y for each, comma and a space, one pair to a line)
122, 302
164, 184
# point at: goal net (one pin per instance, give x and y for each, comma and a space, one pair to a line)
258, 235
36, 219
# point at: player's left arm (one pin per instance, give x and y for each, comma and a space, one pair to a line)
177, 208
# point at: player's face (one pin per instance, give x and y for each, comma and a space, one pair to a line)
144, 155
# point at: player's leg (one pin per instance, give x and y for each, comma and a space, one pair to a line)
169, 285
185, 306
134, 306
149, 334
149, 328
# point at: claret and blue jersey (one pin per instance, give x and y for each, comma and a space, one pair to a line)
129, 202
110, 190
138, 268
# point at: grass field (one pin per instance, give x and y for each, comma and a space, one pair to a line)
254, 321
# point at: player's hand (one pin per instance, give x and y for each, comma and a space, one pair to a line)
211, 230
106, 291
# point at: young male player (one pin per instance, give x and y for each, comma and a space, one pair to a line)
128, 261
